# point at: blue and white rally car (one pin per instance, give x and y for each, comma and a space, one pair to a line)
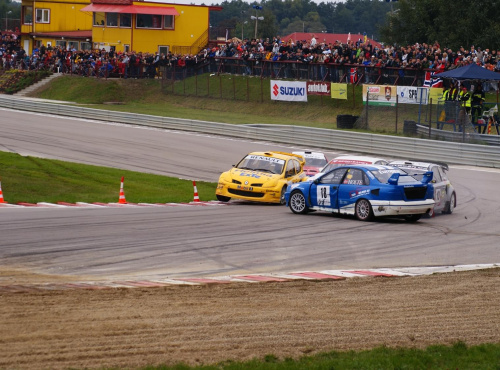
365, 191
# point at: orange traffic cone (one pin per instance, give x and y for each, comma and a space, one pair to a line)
196, 197
1, 194
122, 200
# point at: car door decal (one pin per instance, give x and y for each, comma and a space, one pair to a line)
323, 196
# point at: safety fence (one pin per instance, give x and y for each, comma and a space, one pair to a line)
333, 140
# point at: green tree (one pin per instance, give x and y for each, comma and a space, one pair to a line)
462, 23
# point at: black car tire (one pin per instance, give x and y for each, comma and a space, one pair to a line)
450, 206
282, 195
412, 218
298, 203
222, 198
363, 210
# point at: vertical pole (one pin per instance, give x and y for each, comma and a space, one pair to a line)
367, 107
397, 106
430, 119
261, 90
353, 96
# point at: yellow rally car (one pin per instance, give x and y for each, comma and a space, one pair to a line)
261, 177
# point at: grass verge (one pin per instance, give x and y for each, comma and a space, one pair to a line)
32, 180
457, 356
231, 99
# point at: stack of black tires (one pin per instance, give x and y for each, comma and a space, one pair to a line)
346, 121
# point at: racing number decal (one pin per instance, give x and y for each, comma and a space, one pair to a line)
323, 194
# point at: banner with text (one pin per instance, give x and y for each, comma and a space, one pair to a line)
339, 91
436, 95
380, 94
318, 88
289, 90
412, 95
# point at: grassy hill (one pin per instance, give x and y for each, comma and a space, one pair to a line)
147, 96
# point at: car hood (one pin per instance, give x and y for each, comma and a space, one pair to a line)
250, 176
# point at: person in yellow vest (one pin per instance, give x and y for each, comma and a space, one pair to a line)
450, 97
465, 99
477, 101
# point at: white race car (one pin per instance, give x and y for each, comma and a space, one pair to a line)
349, 160
445, 197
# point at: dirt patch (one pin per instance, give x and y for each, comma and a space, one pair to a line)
210, 323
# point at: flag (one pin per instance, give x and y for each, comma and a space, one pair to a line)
227, 33
431, 80
364, 37
354, 75
349, 37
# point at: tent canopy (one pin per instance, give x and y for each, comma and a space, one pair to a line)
470, 72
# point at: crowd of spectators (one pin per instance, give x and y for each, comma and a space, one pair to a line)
247, 55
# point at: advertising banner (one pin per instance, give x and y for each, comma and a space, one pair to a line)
318, 88
339, 91
436, 95
380, 94
412, 95
289, 90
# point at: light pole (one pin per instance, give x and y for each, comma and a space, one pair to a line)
6, 14
256, 17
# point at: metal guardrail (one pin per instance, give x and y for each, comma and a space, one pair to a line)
335, 140
423, 132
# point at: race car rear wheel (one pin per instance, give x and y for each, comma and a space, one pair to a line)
450, 206
363, 210
298, 203
222, 198
412, 218
282, 195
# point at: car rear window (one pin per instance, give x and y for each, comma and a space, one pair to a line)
315, 162
384, 175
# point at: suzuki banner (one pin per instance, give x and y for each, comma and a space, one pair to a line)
288, 90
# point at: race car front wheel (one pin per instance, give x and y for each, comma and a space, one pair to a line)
298, 203
282, 195
363, 210
222, 198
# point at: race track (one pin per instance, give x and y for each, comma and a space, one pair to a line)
238, 238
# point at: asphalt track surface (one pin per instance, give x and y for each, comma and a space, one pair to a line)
238, 238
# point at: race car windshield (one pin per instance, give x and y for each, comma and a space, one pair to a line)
384, 175
315, 162
262, 163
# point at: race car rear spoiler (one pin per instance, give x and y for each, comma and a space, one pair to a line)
427, 178
443, 165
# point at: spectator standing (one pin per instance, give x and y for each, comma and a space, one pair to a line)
478, 99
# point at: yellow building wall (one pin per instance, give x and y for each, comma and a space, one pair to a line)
191, 24
64, 16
